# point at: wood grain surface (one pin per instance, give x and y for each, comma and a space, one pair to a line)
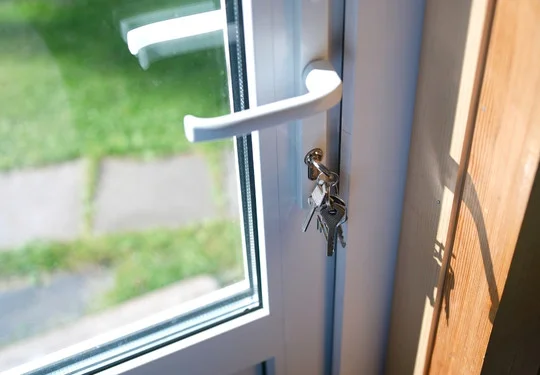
502, 165
452, 36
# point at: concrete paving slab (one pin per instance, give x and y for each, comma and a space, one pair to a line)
43, 203
59, 299
103, 323
134, 195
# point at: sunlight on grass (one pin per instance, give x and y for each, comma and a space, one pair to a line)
71, 88
141, 262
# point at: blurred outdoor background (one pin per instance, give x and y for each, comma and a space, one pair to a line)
103, 202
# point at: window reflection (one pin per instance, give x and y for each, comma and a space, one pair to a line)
107, 213
158, 35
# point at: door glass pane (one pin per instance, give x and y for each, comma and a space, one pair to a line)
111, 223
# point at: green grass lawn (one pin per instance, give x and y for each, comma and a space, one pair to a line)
70, 88
140, 261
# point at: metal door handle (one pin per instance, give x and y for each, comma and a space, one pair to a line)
324, 91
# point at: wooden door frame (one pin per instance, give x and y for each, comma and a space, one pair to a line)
451, 47
456, 38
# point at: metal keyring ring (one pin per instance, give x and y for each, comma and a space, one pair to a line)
332, 178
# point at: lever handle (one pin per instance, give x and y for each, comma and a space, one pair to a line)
324, 91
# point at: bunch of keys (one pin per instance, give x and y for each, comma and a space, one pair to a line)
331, 211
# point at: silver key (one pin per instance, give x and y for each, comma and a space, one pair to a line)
321, 227
312, 209
332, 216
336, 200
340, 236
320, 193
315, 200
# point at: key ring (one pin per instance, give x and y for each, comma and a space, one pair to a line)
331, 181
322, 168
332, 178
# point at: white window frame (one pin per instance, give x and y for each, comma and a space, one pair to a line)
379, 75
275, 75
381, 62
295, 346
319, 333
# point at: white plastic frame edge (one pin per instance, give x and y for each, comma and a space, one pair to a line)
242, 328
379, 76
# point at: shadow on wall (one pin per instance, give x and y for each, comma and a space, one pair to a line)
472, 203
431, 170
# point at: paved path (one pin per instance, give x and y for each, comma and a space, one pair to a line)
41, 203
47, 203
88, 327
134, 195
31, 309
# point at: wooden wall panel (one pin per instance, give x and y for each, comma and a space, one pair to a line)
502, 165
452, 36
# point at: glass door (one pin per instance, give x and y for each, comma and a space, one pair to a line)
123, 246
